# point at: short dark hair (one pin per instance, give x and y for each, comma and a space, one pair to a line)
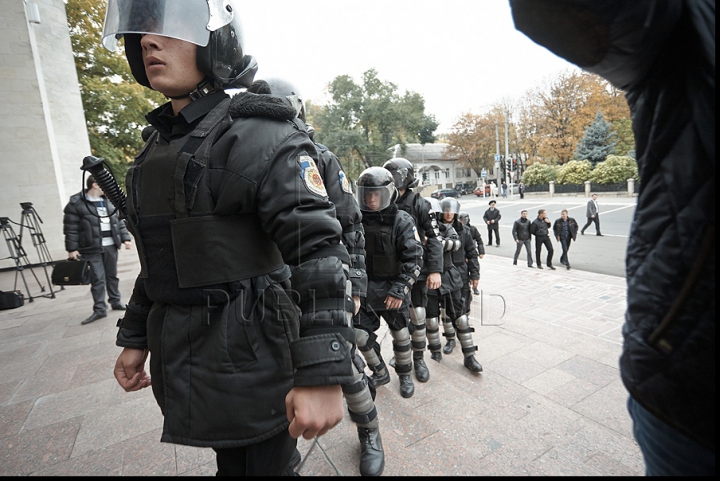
522, 211
89, 182
541, 211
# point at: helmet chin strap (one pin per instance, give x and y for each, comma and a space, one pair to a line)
203, 88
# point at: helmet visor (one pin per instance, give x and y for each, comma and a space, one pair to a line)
182, 19
373, 198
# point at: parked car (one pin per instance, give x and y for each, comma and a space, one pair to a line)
442, 193
464, 187
479, 191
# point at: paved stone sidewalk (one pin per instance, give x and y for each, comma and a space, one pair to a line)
549, 402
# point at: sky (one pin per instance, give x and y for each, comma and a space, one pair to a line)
460, 55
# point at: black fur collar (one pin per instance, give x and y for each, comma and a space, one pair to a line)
247, 104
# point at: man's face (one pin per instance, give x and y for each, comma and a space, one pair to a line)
372, 200
448, 217
594, 197
523, 214
170, 64
563, 215
541, 215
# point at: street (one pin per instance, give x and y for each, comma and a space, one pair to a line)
603, 255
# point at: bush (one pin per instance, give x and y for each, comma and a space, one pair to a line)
574, 172
539, 174
615, 169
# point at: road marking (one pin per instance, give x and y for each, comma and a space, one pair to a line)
619, 208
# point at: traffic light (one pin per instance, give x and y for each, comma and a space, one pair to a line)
508, 165
424, 176
514, 165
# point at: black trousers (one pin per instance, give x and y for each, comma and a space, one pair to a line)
104, 277
590, 220
266, 458
495, 228
539, 242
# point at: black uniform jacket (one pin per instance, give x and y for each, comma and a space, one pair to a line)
81, 226
539, 227
404, 245
348, 213
419, 208
452, 277
477, 237
222, 234
466, 258
662, 54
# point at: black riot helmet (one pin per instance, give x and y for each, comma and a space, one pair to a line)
283, 88
450, 204
403, 172
375, 189
213, 25
464, 217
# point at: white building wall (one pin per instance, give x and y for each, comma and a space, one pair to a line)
43, 136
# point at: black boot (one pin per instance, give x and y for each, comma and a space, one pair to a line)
372, 457
421, 370
471, 363
377, 378
436, 356
407, 388
449, 346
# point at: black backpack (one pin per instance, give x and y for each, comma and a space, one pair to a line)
11, 300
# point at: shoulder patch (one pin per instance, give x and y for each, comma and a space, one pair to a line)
310, 176
345, 183
415, 233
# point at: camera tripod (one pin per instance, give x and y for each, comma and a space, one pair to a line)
31, 219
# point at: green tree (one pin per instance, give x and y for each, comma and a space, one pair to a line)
539, 173
614, 170
115, 104
599, 141
574, 172
626, 138
363, 121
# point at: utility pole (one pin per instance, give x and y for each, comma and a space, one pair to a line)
507, 170
497, 149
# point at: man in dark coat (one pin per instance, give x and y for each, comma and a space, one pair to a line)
521, 235
464, 218
540, 228
93, 230
565, 229
492, 217
241, 300
662, 54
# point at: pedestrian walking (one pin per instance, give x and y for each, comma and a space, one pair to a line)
565, 229
492, 218
504, 189
521, 190
243, 181
593, 215
521, 235
93, 230
540, 228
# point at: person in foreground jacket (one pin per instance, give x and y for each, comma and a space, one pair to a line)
565, 230
394, 257
521, 235
662, 54
241, 300
93, 230
540, 228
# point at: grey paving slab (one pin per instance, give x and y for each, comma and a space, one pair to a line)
549, 401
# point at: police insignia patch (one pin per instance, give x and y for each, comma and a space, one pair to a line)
415, 233
345, 183
310, 176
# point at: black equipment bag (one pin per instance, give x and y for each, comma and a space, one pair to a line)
11, 300
72, 273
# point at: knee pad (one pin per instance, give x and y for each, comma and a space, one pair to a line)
462, 323
417, 315
433, 334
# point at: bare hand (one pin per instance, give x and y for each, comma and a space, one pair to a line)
474, 283
73, 255
433, 280
313, 411
128, 244
357, 303
481, 256
130, 369
392, 302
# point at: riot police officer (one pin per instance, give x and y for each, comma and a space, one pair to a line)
358, 396
447, 300
419, 208
246, 326
394, 259
464, 218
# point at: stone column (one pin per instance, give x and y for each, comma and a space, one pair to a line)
631, 187
587, 188
552, 188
